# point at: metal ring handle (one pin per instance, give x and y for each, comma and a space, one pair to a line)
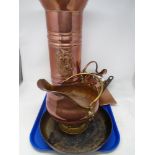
103, 71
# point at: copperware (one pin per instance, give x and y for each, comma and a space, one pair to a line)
106, 97
76, 101
93, 138
64, 28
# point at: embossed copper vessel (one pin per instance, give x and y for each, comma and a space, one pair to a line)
64, 26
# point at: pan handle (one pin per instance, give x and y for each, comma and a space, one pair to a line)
103, 71
107, 82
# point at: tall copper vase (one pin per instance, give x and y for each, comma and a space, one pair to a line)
64, 26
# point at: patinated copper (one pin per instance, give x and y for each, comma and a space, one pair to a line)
93, 138
75, 102
106, 98
64, 26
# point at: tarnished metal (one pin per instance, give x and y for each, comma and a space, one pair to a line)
106, 98
95, 136
64, 26
75, 101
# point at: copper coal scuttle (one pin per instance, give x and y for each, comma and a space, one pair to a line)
74, 98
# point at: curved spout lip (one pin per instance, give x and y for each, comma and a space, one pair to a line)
64, 5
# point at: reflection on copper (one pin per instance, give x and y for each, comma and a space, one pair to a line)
76, 101
64, 27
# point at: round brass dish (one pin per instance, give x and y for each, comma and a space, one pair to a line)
96, 134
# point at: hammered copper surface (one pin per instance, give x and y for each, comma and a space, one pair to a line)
64, 26
90, 140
